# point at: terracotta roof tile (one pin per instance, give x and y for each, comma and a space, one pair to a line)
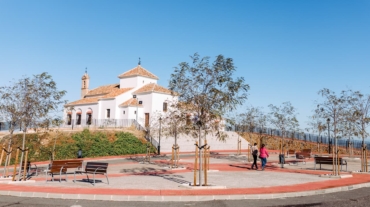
116, 91
103, 90
130, 102
138, 70
84, 101
152, 87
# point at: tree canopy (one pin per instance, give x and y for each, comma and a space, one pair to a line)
209, 88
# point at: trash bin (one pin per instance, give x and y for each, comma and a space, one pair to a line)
79, 153
281, 159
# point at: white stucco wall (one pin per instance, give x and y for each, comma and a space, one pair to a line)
136, 81
107, 104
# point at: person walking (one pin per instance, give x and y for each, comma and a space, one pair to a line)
254, 153
263, 156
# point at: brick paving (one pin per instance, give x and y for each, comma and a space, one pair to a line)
230, 177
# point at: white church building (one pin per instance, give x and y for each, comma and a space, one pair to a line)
136, 97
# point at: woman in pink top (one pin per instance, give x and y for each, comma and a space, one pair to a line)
263, 155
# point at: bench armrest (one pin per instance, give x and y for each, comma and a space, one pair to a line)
97, 169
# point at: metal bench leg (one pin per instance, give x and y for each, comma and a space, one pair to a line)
106, 175
94, 178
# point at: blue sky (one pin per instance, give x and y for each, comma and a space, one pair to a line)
285, 50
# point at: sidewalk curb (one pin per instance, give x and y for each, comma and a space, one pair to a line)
180, 198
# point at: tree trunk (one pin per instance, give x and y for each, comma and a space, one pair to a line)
23, 148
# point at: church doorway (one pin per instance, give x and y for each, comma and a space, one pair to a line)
69, 119
88, 117
78, 118
146, 119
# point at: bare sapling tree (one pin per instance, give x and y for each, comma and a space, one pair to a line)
175, 122
334, 109
56, 122
210, 88
235, 120
283, 118
317, 125
360, 107
38, 96
250, 120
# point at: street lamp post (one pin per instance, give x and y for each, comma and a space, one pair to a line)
159, 140
328, 122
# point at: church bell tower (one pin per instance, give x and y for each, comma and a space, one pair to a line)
85, 84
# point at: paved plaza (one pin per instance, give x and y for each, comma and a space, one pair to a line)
229, 177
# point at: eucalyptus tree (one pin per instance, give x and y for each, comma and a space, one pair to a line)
10, 113
34, 97
211, 89
283, 118
335, 110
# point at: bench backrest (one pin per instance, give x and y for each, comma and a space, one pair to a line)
306, 151
56, 165
326, 160
73, 163
97, 167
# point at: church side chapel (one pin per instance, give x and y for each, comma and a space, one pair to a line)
135, 98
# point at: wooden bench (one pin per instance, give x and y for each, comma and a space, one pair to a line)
291, 152
329, 161
305, 153
61, 166
55, 168
94, 168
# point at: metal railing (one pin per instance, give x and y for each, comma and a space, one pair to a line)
98, 123
4, 126
343, 142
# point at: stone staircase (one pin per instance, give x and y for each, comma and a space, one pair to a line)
187, 142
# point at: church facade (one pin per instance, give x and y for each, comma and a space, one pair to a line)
136, 97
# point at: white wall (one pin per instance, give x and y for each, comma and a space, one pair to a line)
135, 82
107, 104
129, 82
121, 99
159, 99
